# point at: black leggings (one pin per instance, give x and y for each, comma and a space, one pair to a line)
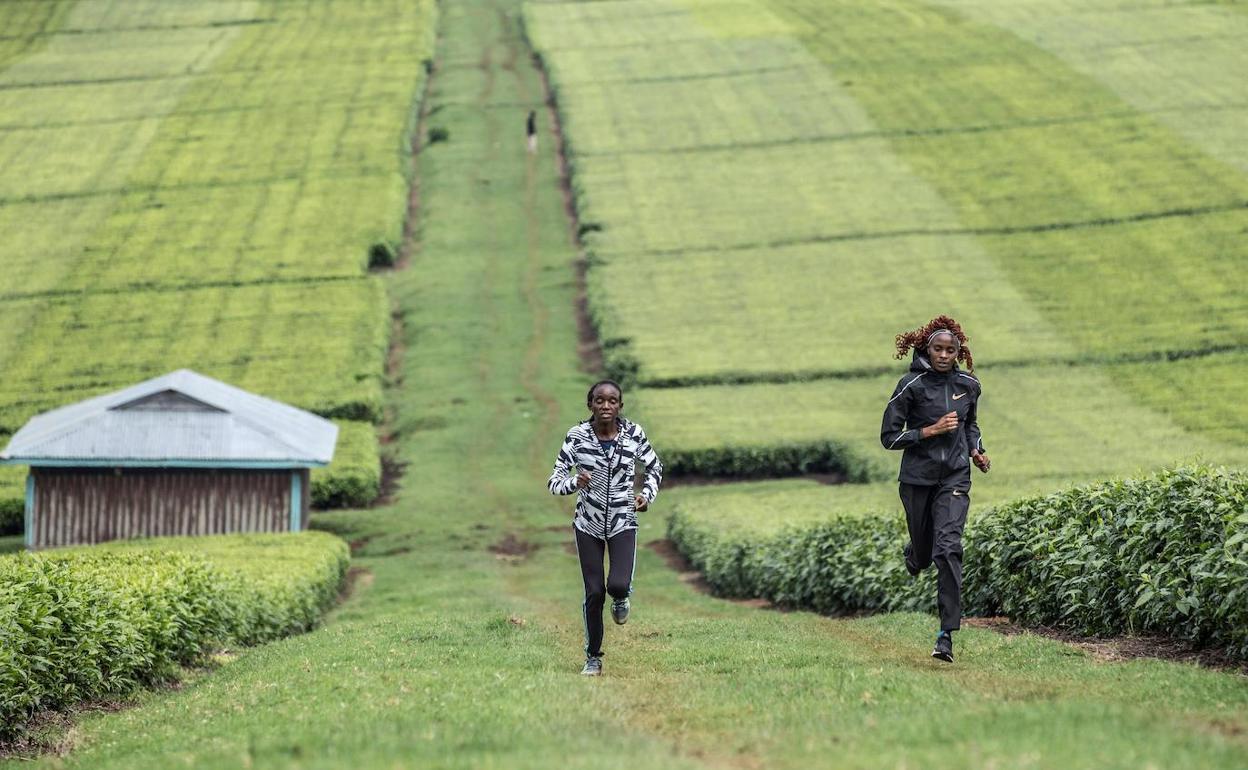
619, 581
936, 516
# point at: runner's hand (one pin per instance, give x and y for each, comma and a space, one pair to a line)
582, 480
641, 503
946, 424
981, 461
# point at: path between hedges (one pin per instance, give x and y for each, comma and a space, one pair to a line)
464, 650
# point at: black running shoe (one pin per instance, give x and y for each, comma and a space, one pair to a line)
908, 551
593, 667
619, 611
944, 647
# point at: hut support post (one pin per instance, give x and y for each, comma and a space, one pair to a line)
30, 511
296, 499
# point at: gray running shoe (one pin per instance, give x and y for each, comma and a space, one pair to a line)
593, 667
619, 611
944, 647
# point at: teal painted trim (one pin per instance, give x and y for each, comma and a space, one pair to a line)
249, 464
296, 499
30, 511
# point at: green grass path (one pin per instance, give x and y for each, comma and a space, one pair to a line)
452, 656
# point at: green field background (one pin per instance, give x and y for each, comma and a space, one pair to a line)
777, 187
200, 185
756, 231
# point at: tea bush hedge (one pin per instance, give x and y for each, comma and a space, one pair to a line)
785, 459
99, 622
1166, 553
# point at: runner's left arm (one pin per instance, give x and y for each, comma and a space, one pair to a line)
654, 467
974, 440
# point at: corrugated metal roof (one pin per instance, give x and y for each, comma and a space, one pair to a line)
182, 417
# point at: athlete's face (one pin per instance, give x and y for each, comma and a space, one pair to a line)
605, 403
942, 351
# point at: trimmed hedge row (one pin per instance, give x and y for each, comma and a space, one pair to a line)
100, 622
12, 515
1167, 554
771, 461
353, 479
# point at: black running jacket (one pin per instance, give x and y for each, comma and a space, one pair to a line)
921, 398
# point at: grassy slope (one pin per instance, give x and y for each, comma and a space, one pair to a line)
454, 657
928, 143
962, 125
198, 184
1168, 59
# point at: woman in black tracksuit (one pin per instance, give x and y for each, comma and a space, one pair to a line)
932, 418
598, 463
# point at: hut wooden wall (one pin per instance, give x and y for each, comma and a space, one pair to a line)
74, 506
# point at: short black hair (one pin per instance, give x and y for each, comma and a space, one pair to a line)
589, 397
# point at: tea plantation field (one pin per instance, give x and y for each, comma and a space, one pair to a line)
462, 642
790, 183
204, 185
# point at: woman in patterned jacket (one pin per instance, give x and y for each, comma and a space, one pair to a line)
598, 463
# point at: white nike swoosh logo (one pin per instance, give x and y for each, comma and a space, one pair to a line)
960, 395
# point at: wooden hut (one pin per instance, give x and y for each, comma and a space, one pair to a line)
181, 454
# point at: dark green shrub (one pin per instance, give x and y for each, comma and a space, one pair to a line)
771, 462
12, 515
346, 488
90, 623
381, 255
1167, 554
438, 134
353, 479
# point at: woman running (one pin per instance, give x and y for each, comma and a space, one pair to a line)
603, 450
932, 417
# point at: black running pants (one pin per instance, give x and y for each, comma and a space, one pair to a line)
936, 516
622, 552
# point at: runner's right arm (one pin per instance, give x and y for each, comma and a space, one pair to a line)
893, 431
562, 480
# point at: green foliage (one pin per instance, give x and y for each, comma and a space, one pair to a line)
1217, 382
316, 345
1041, 425
12, 515
1166, 553
382, 255
829, 174
193, 185
452, 657
100, 622
763, 461
353, 479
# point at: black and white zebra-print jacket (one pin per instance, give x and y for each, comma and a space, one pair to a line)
607, 506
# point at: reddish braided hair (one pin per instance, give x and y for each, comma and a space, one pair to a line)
917, 339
